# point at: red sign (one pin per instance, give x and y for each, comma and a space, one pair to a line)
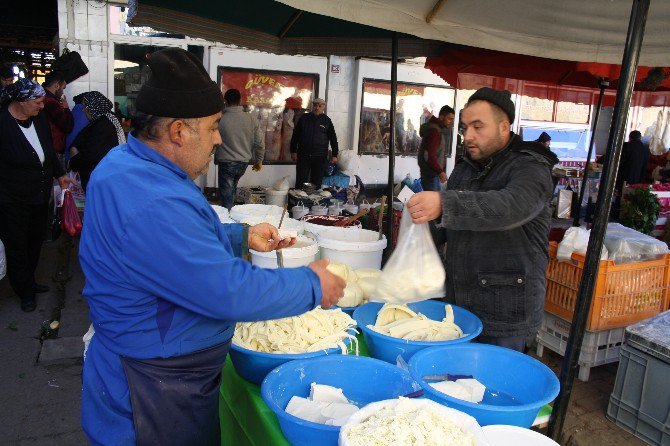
385, 88
269, 89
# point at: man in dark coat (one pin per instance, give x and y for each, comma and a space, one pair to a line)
495, 218
633, 164
309, 145
435, 141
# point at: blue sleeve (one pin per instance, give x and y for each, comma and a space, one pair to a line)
171, 250
238, 234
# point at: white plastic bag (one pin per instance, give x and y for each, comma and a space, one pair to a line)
576, 239
415, 271
626, 245
348, 162
282, 184
3, 261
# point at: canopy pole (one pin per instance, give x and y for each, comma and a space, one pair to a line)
577, 208
631, 56
392, 141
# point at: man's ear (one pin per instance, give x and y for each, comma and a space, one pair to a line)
176, 131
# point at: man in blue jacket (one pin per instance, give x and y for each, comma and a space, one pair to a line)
164, 279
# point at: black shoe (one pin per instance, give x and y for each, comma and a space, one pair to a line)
41, 288
28, 306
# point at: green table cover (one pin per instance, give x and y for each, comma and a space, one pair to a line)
246, 420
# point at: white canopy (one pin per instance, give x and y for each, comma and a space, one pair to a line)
580, 30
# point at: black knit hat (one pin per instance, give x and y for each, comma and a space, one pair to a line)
178, 87
501, 98
544, 137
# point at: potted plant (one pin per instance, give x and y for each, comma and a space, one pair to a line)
639, 210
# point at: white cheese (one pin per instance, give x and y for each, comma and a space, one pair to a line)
399, 321
326, 394
325, 405
463, 389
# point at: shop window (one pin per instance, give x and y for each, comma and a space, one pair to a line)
567, 144
550, 103
118, 26
415, 104
277, 99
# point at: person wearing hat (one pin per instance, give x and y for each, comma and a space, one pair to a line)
165, 281
544, 139
309, 145
495, 215
28, 167
6, 76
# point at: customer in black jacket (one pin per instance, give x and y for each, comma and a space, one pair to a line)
495, 216
103, 132
28, 166
309, 145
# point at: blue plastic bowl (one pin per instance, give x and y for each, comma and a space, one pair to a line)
388, 348
363, 380
254, 366
517, 386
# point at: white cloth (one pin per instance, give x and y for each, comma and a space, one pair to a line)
31, 135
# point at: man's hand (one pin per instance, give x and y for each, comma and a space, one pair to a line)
424, 206
333, 159
65, 181
443, 177
332, 286
264, 237
63, 102
294, 156
257, 167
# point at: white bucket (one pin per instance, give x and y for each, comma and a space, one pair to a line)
352, 208
318, 209
304, 252
359, 248
289, 223
276, 197
317, 228
299, 211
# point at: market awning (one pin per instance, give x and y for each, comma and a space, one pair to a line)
271, 26
586, 31
470, 68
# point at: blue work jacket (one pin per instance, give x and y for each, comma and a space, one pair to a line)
164, 278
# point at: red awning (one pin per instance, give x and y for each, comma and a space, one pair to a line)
470, 68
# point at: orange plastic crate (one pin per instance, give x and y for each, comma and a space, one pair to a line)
624, 294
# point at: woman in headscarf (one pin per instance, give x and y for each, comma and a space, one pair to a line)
96, 139
28, 166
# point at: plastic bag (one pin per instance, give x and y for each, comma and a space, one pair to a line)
348, 162
282, 184
626, 245
3, 261
576, 239
70, 220
414, 272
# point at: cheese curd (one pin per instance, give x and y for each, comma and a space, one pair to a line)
325, 405
399, 321
408, 423
315, 330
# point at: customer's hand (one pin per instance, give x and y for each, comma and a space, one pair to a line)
332, 286
424, 206
333, 159
294, 156
443, 177
257, 167
65, 181
264, 237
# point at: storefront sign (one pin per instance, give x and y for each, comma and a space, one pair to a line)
268, 89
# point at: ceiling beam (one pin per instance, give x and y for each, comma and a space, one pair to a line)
294, 18
431, 15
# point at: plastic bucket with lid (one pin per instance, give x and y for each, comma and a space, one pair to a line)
276, 197
318, 209
298, 211
358, 248
304, 252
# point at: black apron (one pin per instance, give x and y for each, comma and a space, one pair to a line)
175, 400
